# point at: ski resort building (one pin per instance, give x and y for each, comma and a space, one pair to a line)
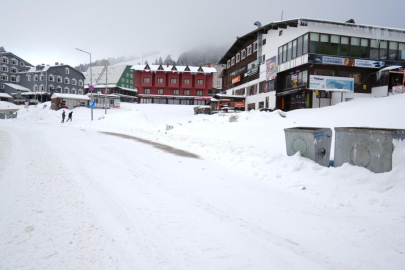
167, 84
307, 63
116, 79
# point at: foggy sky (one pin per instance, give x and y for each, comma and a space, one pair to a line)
44, 31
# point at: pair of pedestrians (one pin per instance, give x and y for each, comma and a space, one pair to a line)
69, 117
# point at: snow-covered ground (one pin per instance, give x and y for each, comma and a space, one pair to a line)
74, 198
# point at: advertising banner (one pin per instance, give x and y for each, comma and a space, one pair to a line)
271, 70
236, 80
252, 68
329, 83
397, 89
341, 61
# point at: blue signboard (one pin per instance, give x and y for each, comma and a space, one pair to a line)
92, 104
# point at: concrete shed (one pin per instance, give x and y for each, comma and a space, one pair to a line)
68, 101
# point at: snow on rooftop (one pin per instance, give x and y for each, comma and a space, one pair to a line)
99, 74
168, 68
17, 87
4, 95
4, 105
70, 96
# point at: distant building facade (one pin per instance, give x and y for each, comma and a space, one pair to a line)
44, 80
216, 79
170, 84
119, 79
10, 66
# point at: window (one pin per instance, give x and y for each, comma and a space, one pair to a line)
67, 80
186, 92
199, 92
29, 78
35, 88
74, 81
374, 51
4, 68
80, 92
314, 43
66, 91
145, 80
146, 100
264, 58
160, 91
401, 51
355, 75
80, 82
237, 57
186, 81
280, 55
255, 46
324, 44
22, 63
228, 64
284, 53
13, 78
200, 82
160, 80
294, 49
50, 87
42, 78
127, 75
59, 79
41, 87
18, 78
51, 78
59, 89
73, 91
264, 42
344, 46
176, 91
249, 50
131, 75
123, 80
173, 80
4, 77
233, 61
323, 72
355, 47
243, 54
4, 60
66, 70
35, 78
305, 45
146, 91
289, 50
393, 50
13, 61
383, 50
334, 45
364, 48
13, 70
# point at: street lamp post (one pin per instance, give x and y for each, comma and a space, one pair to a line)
91, 82
105, 96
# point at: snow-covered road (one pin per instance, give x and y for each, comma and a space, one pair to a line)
78, 199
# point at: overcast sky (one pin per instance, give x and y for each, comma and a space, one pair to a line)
44, 31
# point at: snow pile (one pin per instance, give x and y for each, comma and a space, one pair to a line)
4, 105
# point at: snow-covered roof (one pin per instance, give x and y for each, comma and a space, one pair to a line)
122, 95
4, 105
98, 74
4, 95
229, 96
129, 89
102, 86
168, 68
17, 87
34, 93
70, 96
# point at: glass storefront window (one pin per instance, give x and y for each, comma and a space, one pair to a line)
392, 53
294, 49
383, 50
284, 53
344, 46
299, 51
364, 49
280, 55
374, 45
324, 44
289, 48
401, 51
305, 77
305, 45
355, 47
334, 45
314, 43
323, 72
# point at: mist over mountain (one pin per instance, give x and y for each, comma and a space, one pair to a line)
202, 55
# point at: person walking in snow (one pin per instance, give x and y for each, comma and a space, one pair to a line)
70, 117
63, 116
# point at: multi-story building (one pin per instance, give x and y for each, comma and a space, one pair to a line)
167, 84
44, 80
10, 66
216, 80
116, 79
306, 63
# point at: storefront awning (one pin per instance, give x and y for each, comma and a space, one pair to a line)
288, 92
330, 90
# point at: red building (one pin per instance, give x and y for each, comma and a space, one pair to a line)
167, 84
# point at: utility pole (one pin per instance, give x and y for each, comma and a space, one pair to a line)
91, 82
106, 80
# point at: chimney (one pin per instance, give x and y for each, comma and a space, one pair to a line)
61, 64
56, 63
